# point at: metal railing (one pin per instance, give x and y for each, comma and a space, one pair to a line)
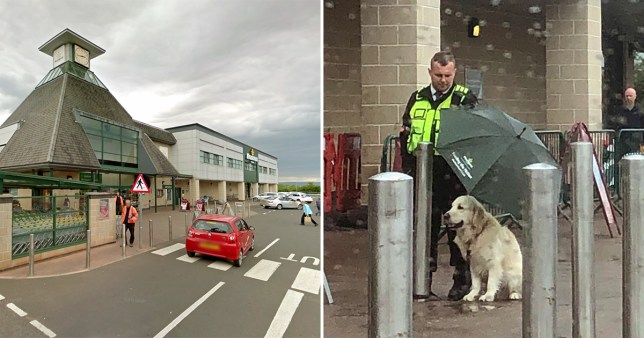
55, 222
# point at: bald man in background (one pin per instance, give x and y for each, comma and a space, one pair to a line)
628, 115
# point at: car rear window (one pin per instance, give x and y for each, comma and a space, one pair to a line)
214, 226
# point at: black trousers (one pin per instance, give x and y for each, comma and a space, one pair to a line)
302, 219
446, 187
130, 227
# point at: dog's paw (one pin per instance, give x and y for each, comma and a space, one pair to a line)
487, 298
470, 297
515, 295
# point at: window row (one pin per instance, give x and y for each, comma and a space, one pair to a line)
210, 158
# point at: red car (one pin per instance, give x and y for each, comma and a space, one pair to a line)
222, 236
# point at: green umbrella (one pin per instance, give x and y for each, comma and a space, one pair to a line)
487, 150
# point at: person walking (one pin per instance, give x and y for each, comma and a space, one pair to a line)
307, 212
421, 123
317, 206
129, 218
119, 210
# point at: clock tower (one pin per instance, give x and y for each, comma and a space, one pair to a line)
69, 46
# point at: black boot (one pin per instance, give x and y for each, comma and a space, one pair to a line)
432, 297
462, 284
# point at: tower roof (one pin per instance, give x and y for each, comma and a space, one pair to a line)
68, 36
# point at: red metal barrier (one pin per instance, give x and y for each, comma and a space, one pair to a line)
347, 172
329, 162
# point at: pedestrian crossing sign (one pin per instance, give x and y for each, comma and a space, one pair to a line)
139, 185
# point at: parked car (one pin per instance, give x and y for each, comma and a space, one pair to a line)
222, 236
281, 203
300, 197
264, 195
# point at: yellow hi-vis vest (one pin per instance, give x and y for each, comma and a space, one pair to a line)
426, 121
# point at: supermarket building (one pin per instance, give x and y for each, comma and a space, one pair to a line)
71, 127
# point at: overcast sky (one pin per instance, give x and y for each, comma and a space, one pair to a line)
248, 69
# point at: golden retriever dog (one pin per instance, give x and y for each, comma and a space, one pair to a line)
491, 249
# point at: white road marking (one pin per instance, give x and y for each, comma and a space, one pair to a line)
17, 310
266, 248
1, 297
188, 311
49, 333
307, 280
263, 270
219, 265
284, 314
169, 249
188, 259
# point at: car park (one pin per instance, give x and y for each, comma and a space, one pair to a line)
281, 203
222, 236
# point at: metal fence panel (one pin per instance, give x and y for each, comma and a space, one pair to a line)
56, 221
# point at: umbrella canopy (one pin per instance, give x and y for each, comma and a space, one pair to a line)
487, 149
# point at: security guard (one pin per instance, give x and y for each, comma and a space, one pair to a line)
421, 123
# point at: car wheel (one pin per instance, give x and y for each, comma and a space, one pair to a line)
191, 254
238, 262
279, 207
252, 245
299, 207
266, 207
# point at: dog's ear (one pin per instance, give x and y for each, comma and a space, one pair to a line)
478, 213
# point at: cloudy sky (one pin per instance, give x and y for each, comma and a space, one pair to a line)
248, 69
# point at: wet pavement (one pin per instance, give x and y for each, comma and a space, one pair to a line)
346, 266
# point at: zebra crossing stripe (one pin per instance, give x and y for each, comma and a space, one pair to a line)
307, 280
263, 270
169, 249
186, 258
219, 265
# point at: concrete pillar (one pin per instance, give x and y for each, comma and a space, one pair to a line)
6, 223
398, 41
241, 191
254, 189
221, 191
194, 191
574, 63
102, 227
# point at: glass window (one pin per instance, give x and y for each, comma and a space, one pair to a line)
214, 226
129, 149
128, 135
111, 131
112, 144
204, 157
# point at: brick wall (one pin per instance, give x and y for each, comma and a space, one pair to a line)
509, 53
342, 62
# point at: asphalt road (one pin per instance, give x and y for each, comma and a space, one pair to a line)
275, 293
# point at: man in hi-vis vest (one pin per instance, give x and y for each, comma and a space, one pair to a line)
421, 123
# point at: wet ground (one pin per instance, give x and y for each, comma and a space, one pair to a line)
346, 266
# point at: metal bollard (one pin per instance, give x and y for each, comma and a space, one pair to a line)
170, 227
124, 243
423, 219
151, 233
390, 252
540, 254
633, 247
89, 247
31, 255
583, 284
